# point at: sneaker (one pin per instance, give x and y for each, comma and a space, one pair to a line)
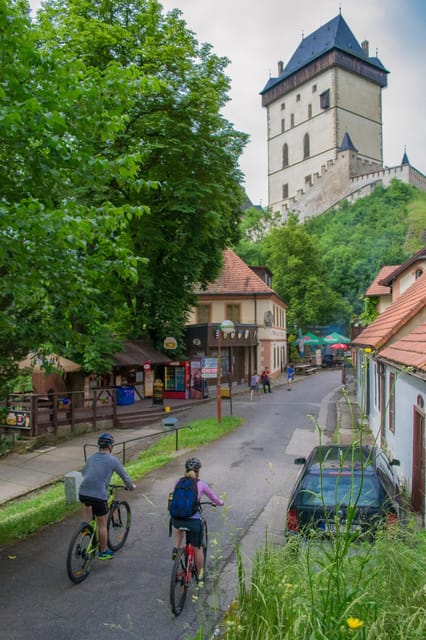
105, 555
174, 553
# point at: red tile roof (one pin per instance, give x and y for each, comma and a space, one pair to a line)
419, 256
403, 309
237, 278
378, 289
410, 351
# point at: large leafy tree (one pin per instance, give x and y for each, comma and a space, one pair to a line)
300, 277
177, 155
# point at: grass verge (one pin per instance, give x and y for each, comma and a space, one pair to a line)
22, 517
334, 591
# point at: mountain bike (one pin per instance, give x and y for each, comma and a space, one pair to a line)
84, 544
184, 569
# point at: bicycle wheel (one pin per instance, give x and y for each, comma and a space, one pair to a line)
118, 524
82, 550
178, 582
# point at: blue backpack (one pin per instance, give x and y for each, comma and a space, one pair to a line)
183, 502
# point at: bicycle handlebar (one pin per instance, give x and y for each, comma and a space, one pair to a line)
118, 486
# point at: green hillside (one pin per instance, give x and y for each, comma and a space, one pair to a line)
323, 266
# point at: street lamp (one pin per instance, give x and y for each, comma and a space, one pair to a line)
227, 326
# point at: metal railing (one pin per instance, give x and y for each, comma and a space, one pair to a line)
123, 443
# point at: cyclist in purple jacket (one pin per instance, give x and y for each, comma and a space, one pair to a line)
194, 523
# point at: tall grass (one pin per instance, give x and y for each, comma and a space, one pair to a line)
332, 591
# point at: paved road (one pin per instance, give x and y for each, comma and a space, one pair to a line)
128, 597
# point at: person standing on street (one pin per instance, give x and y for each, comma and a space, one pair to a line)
254, 385
290, 375
93, 492
266, 381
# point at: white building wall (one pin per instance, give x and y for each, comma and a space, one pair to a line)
400, 443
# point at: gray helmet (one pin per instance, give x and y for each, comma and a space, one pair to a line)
192, 464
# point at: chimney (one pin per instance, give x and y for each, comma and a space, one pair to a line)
364, 45
280, 67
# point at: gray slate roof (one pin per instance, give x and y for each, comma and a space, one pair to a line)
335, 34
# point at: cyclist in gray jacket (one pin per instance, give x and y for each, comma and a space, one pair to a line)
93, 491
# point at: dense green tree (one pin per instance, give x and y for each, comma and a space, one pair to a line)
300, 277
119, 177
179, 156
254, 228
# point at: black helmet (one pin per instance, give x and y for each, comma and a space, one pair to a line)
192, 464
105, 440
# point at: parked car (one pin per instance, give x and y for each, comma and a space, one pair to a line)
349, 487
328, 360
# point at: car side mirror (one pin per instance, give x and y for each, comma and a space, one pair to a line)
299, 460
395, 462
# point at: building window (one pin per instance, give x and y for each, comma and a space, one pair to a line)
203, 313
292, 120
282, 106
285, 155
314, 88
282, 125
419, 272
285, 191
325, 99
298, 97
308, 181
392, 403
309, 111
233, 312
306, 146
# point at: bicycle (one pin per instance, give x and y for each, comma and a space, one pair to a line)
84, 544
184, 567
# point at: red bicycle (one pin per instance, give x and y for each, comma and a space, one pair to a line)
184, 569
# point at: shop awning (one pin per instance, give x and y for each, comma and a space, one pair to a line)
136, 353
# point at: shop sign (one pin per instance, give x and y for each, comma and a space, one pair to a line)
18, 419
170, 343
209, 367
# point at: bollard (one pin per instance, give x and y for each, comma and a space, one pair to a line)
72, 482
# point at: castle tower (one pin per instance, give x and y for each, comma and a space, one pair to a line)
329, 88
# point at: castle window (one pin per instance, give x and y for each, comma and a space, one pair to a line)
292, 120
298, 97
325, 99
308, 181
282, 125
314, 88
282, 106
285, 155
306, 146
309, 111
285, 191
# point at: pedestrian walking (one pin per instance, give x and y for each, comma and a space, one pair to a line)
266, 383
290, 376
254, 385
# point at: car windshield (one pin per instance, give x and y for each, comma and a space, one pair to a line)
339, 488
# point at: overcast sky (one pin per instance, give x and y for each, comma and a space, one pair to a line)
256, 34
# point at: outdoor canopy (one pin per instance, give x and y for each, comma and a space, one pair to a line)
335, 338
38, 363
310, 339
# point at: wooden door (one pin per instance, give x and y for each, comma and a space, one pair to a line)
418, 474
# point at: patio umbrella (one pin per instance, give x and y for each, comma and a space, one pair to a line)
310, 339
335, 338
339, 345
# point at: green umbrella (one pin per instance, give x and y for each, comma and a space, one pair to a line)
334, 338
310, 339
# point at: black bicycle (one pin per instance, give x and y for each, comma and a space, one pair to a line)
84, 544
184, 569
